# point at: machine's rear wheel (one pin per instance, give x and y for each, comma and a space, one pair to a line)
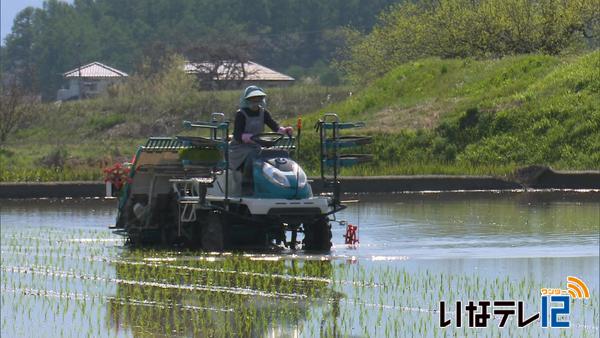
317, 235
214, 232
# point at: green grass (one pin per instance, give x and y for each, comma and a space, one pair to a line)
478, 117
432, 116
101, 123
93, 134
444, 85
52, 174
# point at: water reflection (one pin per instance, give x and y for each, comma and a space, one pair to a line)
231, 295
61, 213
478, 226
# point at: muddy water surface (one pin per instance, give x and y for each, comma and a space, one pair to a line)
65, 274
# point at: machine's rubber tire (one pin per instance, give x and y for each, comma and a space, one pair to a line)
214, 232
317, 235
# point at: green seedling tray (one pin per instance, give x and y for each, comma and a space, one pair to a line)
200, 156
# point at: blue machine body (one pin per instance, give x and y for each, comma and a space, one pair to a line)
279, 178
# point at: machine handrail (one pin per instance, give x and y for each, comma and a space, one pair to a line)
211, 125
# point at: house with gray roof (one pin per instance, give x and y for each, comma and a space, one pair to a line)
235, 75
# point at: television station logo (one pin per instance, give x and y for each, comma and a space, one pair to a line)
555, 309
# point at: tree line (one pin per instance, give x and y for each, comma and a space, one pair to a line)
133, 34
364, 39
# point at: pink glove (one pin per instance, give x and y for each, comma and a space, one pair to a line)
286, 130
247, 138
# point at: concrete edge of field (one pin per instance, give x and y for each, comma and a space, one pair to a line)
548, 179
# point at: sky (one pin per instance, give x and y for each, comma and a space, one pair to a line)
10, 8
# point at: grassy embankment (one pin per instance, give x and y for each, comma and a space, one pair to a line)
478, 117
427, 117
76, 140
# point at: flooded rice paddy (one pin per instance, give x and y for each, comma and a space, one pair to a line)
65, 274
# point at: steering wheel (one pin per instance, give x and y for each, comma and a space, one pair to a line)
267, 140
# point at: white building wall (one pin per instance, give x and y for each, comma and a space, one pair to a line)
91, 87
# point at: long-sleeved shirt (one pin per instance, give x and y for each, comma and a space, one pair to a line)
240, 122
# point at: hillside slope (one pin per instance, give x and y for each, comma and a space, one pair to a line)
427, 117
468, 116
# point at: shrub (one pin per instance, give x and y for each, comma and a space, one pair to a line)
465, 28
100, 123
